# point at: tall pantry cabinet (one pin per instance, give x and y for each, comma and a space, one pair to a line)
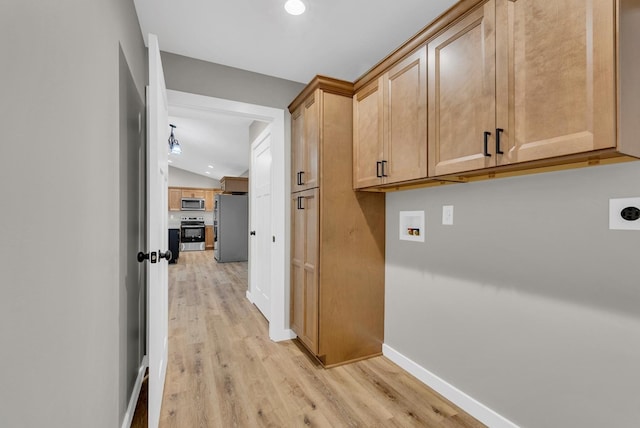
337, 234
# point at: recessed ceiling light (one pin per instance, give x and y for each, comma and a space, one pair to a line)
207, 172
210, 166
294, 7
170, 161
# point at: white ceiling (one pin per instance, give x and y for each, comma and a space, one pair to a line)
336, 38
209, 138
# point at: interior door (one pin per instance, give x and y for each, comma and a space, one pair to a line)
261, 222
157, 230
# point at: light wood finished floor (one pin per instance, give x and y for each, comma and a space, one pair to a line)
223, 370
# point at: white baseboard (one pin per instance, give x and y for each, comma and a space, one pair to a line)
249, 296
450, 392
280, 335
133, 401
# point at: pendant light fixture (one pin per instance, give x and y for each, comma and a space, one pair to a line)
294, 7
174, 146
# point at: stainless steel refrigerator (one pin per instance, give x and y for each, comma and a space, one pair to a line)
231, 228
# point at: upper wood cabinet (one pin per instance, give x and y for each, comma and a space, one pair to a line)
462, 93
368, 149
175, 199
390, 125
177, 193
555, 77
193, 193
234, 184
518, 81
305, 137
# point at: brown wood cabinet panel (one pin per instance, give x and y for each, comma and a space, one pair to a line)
556, 78
537, 78
208, 237
193, 193
405, 119
337, 307
297, 148
368, 145
175, 199
304, 278
234, 184
390, 125
462, 93
305, 143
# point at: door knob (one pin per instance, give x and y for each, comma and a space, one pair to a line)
153, 257
252, 233
167, 255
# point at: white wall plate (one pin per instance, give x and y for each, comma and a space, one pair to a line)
412, 226
617, 214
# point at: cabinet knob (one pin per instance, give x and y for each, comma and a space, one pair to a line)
252, 233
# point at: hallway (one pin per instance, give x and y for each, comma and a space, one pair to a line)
223, 371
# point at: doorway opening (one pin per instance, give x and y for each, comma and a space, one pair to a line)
278, 202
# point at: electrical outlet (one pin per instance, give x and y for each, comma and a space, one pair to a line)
624, 214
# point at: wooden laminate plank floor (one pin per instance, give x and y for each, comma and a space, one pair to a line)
223, 371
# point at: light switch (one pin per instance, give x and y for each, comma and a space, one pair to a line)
624, 214
447, 214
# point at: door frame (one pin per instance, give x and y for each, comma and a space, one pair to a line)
280, 186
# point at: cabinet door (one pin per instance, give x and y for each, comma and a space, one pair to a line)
175, 199
405, 119
208, 237
311, 141
193, 193
556, 77
297, 148
304, 267
367, 136
305, 142
461, 80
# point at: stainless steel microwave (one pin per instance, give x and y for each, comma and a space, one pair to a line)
192, 204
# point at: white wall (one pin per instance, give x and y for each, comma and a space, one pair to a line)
528, 303
59, 294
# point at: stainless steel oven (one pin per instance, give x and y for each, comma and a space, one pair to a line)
192, 234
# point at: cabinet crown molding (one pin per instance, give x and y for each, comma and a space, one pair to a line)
327, 84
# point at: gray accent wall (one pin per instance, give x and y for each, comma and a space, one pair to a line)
528, 303
194, 76
60, 267
181, 178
